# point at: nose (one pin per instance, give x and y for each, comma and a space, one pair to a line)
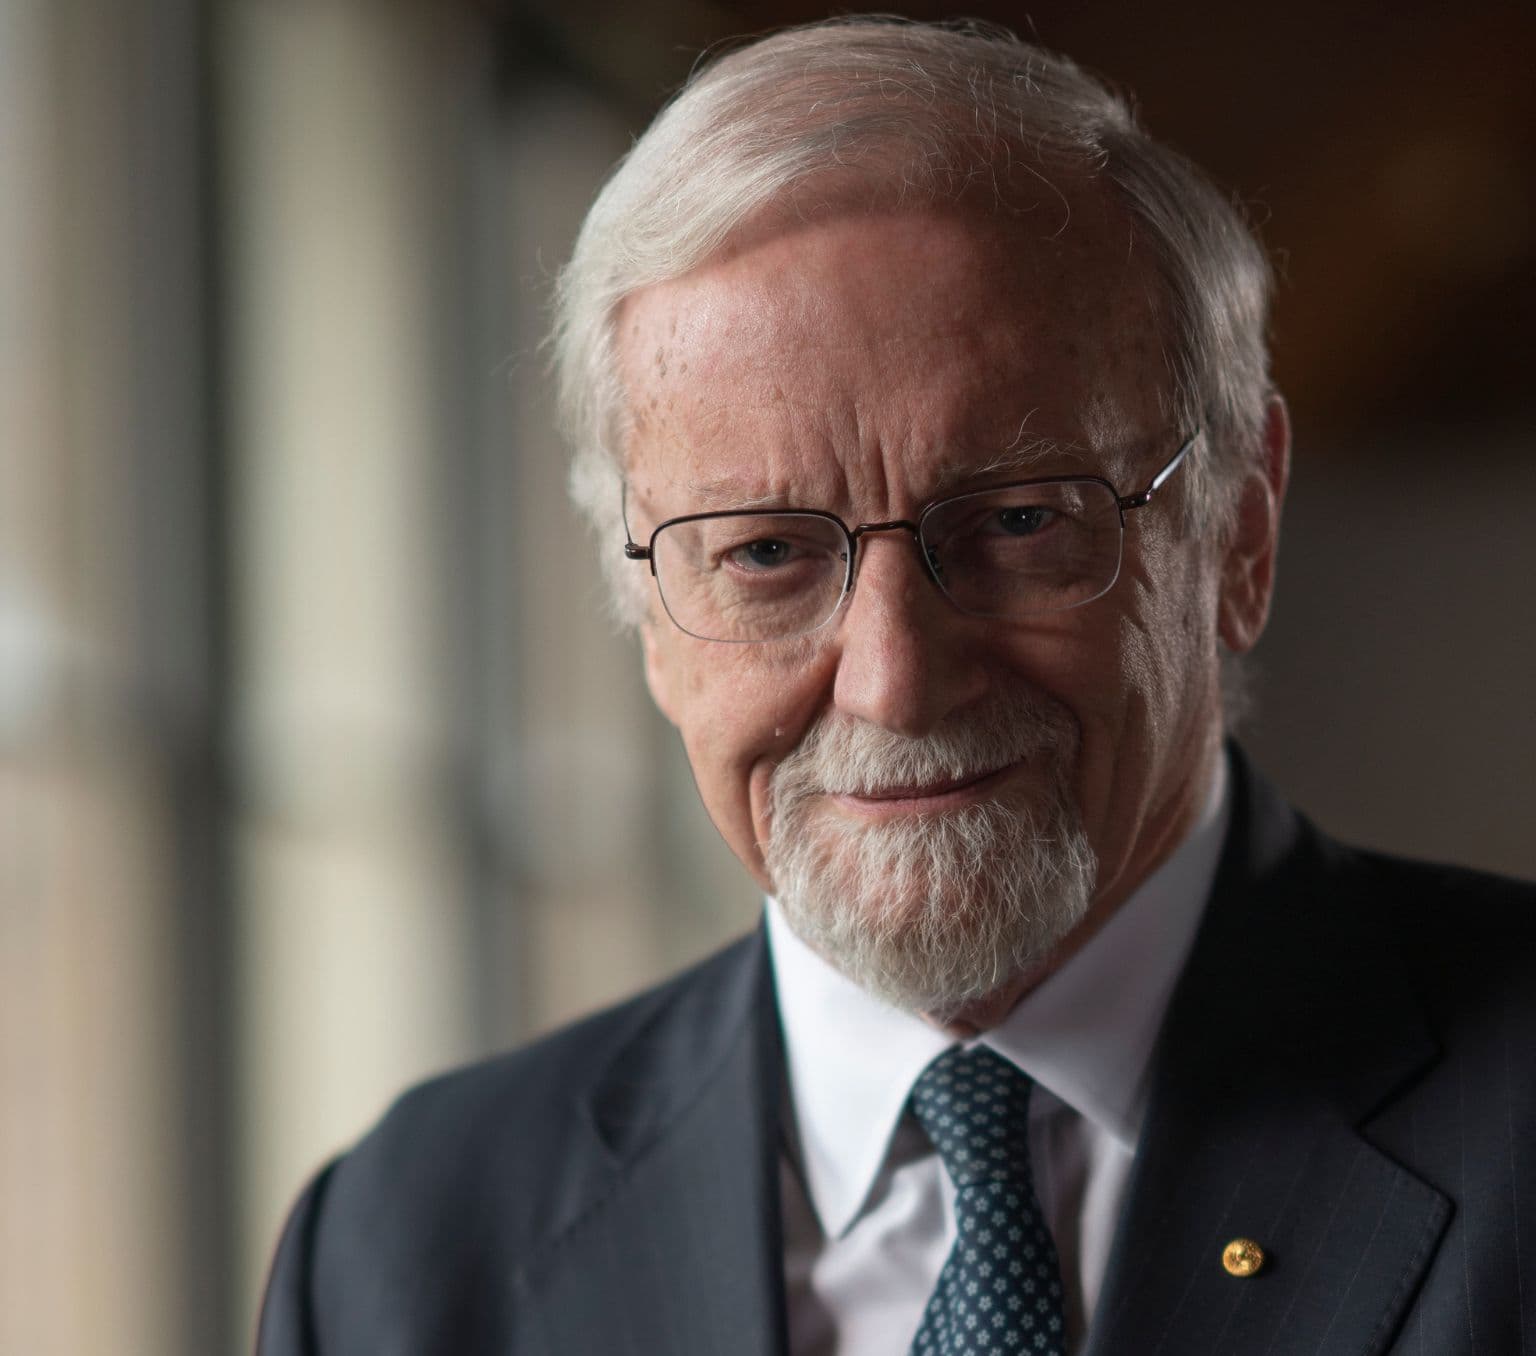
906, 656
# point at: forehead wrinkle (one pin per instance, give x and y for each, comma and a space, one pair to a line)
1024, 454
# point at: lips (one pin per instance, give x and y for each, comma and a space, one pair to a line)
946, 793
926, 790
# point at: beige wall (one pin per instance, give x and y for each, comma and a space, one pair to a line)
90, 1236
1395, 684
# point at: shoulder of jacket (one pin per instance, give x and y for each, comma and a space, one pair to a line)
515, 1123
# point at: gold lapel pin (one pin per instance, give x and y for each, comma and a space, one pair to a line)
1242, 1257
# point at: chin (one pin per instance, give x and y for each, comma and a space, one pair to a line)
933, 913
935, 910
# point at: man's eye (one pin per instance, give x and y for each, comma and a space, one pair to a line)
1025, 520
762, 554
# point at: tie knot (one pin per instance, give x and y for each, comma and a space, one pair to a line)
974, 1106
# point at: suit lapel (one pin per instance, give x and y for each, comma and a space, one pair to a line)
1291, 1027
678, 1248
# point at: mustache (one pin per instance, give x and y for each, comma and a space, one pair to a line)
843, 756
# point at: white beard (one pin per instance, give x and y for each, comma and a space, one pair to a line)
931, 912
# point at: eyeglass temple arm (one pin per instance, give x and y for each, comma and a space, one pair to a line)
1144, 497
632, 549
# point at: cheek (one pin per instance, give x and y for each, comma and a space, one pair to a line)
1170, 653
1188, 621
742, 710
1134, 675
758, 799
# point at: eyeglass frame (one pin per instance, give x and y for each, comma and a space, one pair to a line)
1124, 503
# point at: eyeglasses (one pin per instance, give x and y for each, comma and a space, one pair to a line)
1036, 546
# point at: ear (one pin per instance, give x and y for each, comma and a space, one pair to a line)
658, 672
1248, 565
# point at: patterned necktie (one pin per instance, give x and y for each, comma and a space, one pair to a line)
1000, 1289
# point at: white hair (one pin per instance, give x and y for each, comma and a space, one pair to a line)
892, 113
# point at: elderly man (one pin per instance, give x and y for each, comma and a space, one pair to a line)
922, 404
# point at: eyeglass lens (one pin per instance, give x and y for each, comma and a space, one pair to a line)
1009, 552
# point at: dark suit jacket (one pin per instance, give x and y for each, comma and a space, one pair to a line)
1347, 1075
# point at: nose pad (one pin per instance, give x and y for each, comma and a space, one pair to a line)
930, 559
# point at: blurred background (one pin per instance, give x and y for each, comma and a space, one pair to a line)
319, 766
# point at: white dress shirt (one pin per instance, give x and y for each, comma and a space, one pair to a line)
869, 1211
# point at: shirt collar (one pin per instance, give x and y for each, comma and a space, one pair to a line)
1086, 1033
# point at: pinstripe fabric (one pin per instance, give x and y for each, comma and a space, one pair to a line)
1348, 1076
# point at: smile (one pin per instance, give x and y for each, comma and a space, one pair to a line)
891, 801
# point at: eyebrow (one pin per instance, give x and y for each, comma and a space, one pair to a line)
727, 492
1024, 455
